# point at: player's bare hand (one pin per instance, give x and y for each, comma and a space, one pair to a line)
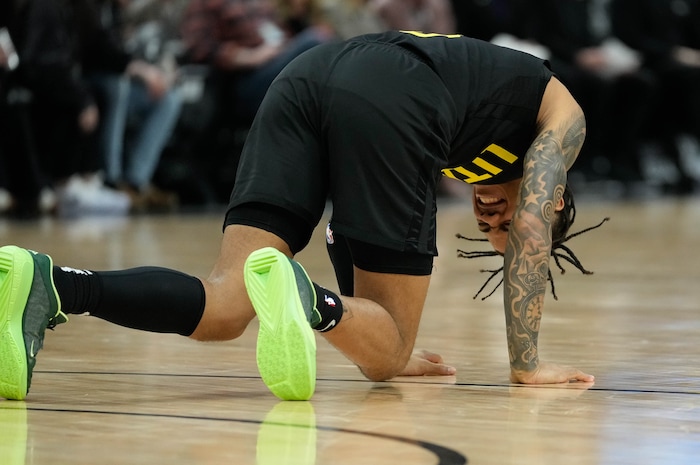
550, 373
426, 363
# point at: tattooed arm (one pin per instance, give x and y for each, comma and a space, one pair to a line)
561, 130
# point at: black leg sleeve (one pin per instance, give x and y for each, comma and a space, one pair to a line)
148, 298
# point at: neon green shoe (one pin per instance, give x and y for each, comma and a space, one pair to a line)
285, 302
28, 305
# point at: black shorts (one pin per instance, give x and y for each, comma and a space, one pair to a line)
362, 124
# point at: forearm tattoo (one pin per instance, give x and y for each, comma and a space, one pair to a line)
526, 263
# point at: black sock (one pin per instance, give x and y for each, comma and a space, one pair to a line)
329, 306
148, 298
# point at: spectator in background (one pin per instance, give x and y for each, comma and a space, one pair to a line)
417, 15
245, 46
489, 19
146, 18
55, 38
503, 22
606, 79
7, 14
241, 45
350, 18
666, 34
481, 19
140, 109
692, 30
24, 189
296, 16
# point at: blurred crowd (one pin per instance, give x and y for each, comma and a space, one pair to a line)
125, 106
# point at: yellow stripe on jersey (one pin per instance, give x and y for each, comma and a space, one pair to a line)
481, 163
494, 152
502, 153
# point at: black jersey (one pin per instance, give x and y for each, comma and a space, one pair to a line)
373, 122
496, 93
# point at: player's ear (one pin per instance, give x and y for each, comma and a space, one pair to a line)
560, 205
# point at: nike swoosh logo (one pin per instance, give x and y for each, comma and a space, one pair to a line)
32, 354
329, 326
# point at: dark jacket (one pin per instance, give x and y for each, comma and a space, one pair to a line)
58, 41
655, 27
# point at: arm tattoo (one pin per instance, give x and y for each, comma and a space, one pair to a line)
572, 141
526, 265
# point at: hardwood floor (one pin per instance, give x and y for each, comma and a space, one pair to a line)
110, 395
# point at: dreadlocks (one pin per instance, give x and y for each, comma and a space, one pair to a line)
560, 228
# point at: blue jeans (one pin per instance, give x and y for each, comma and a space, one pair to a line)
127, 100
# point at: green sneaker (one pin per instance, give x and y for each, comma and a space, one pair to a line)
28, 305
285, 302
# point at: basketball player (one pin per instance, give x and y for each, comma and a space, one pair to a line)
370, 123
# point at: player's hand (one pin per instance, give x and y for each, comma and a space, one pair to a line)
425, 363
550, 373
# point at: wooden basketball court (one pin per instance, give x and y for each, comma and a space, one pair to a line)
109, 395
